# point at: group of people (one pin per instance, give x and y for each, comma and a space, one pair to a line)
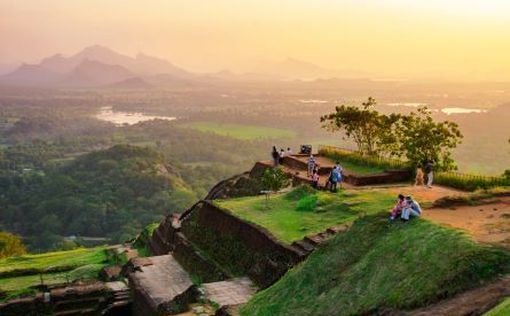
334, 178
405, 208
279, 155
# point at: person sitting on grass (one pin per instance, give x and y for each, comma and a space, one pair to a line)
397, 210
315, 179
412, 208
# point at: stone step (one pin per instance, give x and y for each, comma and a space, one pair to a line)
230, 292
314, 239
78, 311
337, 229
78, 302
303, 245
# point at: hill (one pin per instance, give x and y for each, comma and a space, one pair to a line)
110, 193
376, 268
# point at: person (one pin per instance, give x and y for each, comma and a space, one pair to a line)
315, 179
429, 171
276, 156
282, 154
334, 177
339, 175
397, 209
412, 208
419, 180
289, 152
311, 164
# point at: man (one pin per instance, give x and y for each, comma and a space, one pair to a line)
311, 164
412, 208
334, 178
429, 171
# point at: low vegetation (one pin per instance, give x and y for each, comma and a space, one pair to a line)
19, 275
304, 211
11, 245
51, 261
377, 267
241, 131
470, 182
359, 163
502, 309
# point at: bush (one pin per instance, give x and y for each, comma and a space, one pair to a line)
335, 153
307, 203
299, 192
469, 182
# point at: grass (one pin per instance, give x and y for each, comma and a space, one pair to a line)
347, 156
376, 267
240, 131
470, 182
301, 212
503, 309
360, 168
22, 283
58, 260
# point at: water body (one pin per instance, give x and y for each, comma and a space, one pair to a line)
121, 118
449, 111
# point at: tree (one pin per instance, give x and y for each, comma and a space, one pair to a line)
11, 245
374, 133
422, 139
274, 179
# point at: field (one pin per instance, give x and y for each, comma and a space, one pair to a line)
292, 216
53, 260
375, 267
20, 273
239, 131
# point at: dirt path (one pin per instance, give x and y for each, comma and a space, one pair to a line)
488, 223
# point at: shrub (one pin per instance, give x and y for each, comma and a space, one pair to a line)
469, 182
335, 153
307, 203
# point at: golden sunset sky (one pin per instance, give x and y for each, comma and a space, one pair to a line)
462, 39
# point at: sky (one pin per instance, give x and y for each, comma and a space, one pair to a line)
462, 39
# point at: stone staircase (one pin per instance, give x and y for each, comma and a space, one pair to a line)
310, 243
229, 292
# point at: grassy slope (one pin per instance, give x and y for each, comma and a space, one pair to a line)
288, 224
503, 309
89, 271
241, 131
375, 266
82, 263
72, 258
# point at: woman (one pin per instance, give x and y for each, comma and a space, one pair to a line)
276, 156
401, 204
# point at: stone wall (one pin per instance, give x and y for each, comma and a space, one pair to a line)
244, 248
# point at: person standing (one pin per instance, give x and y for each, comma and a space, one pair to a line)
335, 176
315, 179
429, 171
289, 152
311, 164
419, 180
276, 156
282, 155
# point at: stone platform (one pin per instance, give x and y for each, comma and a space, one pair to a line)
160, 286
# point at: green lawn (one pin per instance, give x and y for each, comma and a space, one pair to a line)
377, 267
240, 131
503, 309
72, 259
90, 271
360, 169
292, 216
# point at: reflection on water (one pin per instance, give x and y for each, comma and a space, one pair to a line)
409, 104
449, 111
121, 118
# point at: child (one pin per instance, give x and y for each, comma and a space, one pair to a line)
401, 204
311, 164
315, 179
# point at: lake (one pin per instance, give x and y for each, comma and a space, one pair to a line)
121, 118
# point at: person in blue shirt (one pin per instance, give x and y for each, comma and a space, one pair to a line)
412, 208
335, 177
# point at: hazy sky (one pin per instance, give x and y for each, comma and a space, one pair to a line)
462, 38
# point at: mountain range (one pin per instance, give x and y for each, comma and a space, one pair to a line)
98, 66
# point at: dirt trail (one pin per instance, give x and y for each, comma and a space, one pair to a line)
487, 223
